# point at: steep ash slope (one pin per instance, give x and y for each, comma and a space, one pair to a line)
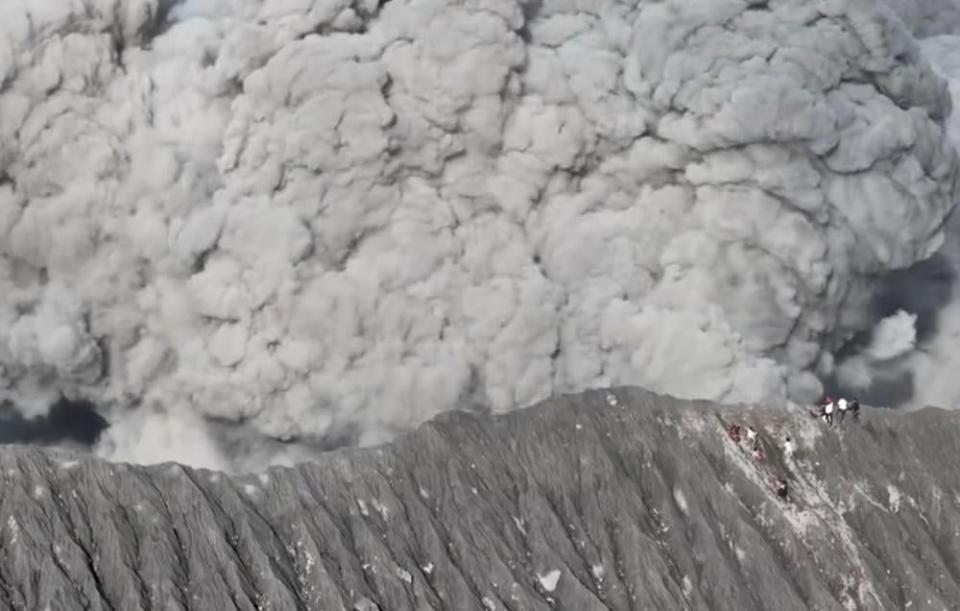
616, 499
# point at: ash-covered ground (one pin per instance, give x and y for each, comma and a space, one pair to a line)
618, 499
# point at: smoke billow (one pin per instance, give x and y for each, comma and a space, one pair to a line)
326, 220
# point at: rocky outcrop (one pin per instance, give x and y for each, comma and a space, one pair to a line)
618, 499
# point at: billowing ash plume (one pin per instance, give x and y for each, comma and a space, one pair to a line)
928, 18
334, 219
910, 357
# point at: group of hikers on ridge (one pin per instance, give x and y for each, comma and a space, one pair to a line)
827, 407
830, 406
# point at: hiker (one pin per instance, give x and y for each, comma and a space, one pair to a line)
852, 406
789, 446
780, 487
828, 408
820, 412
751, 434
757, 453
734, 432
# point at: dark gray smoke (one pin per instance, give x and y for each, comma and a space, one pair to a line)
72, 423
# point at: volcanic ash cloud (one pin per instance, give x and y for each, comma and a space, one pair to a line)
334, 218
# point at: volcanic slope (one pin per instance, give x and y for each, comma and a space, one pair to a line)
613, 499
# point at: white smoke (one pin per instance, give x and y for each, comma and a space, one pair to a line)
154, 436
935, 366
333, 218
893, 337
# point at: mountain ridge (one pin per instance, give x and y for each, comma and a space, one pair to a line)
608, 499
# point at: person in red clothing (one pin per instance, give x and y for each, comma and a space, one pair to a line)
734, 431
